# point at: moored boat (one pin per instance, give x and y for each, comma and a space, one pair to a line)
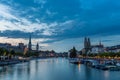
75, 60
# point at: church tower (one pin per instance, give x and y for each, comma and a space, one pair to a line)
37, 47
87, 45
30, 44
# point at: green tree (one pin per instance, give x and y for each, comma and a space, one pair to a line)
1, 51
12, 52
73, 53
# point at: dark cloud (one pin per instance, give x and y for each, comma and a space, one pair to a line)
14, 34
98, 17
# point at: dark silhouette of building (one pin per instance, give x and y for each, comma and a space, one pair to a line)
37, 47
87, 45
19, 48
30, 44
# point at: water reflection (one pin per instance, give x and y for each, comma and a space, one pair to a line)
88, 73
106, 75
79, 69
54, 69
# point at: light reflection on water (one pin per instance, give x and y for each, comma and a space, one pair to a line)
79, 69
54, 69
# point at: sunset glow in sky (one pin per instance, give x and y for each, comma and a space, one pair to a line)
60, 24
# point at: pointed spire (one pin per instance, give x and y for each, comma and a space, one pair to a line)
89, 43
37, 47
30, 44
85, 42
100, 43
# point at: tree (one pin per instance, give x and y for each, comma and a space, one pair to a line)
12, 52
73, 53
52, 51
1, 52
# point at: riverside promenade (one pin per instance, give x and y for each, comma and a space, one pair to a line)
98, 63
13, 61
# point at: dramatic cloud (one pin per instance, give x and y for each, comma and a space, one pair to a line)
12, 22
58, 20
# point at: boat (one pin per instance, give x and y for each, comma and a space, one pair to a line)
108, 65
75, 60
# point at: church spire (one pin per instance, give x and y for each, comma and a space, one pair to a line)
30, 44
100, 43
85, 42
37, 47
89, 43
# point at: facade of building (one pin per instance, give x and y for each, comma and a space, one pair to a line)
113, 49
19, 48
5, 45
99, 48
95, 49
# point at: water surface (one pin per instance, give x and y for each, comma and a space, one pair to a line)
54, 69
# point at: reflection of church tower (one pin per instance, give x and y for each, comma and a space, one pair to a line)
30, 44
37, 47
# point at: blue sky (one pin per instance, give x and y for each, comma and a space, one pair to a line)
60, 24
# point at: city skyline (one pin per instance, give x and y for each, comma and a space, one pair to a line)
60, 24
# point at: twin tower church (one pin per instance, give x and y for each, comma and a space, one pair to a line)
87, 45
88, 48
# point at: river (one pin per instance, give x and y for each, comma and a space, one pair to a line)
54, 69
